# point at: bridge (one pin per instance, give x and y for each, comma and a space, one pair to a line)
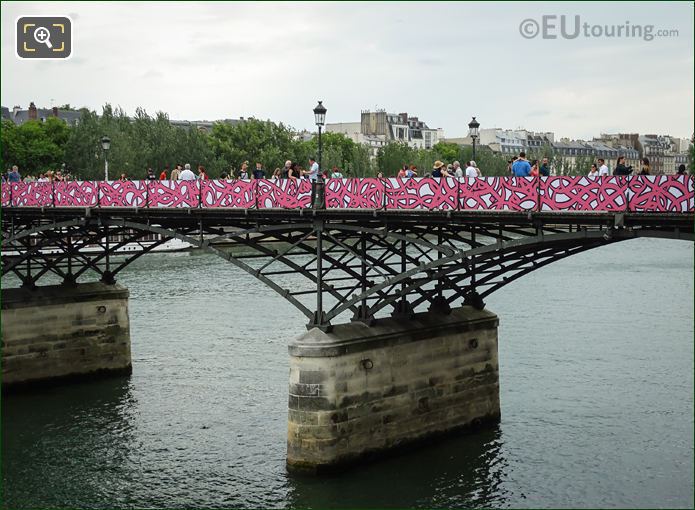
407, 259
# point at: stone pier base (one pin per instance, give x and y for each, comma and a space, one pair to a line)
361, 391
60, 332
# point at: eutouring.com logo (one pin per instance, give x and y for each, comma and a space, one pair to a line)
552, 26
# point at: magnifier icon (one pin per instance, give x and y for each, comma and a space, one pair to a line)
43, 36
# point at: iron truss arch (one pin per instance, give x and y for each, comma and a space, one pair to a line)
327, 263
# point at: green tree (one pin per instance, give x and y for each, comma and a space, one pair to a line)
392, 156
34, 146
253, 140
446, 152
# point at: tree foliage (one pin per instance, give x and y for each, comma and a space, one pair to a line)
143, 141
34, 146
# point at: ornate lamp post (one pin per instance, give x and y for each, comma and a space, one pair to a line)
106, 145
473, 132
319, 201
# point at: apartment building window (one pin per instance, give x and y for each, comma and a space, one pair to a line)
428, 140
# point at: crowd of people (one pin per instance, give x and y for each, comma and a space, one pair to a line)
12, 175
600, 169
518, 166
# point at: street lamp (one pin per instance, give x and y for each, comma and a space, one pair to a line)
106, 145
473, 132
319, 201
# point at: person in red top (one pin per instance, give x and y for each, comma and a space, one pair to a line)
201, 172
534, 168
402, 173
165, 172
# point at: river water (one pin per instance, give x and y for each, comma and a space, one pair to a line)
596, 376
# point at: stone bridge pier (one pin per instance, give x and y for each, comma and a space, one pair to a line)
64, 332
357, 391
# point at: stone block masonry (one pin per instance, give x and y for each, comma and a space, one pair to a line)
359, 391
64, 332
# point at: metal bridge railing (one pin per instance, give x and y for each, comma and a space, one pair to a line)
641, 193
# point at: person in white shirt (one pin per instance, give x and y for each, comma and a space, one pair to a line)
187, 174
593, 172
472, 170
603, 168
313, 169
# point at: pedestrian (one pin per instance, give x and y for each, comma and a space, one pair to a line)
336, 173
646, 168
294, 171
244, 172
681, 170
202, 174
165, 172
379, 175
277, 174
259, 173
285, 173
449, 170
535, 172
313, 170
412, 171
521, 167
603, 168
471, 169
437, 169
175, 173
458, 171
187, 174
42, 178
620, 168
150, 175
14, 175
593, 173
510, 164
123, 178
402, 172
545, 168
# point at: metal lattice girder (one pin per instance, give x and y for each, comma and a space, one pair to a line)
350, 261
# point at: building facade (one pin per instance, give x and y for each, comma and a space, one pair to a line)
399, 128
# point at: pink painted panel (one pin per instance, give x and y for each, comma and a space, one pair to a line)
232, 193
6, 194
173, 194
32, 194
422, 193
367, 193
581, 193
76, 193
286, 193
500, 193
123, 193
660, 193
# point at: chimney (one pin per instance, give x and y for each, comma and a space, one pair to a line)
15, 110
55, 111
32, 111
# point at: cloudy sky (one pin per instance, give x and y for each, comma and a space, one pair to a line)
443, 62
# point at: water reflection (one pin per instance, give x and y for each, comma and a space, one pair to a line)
68, 440
461, 472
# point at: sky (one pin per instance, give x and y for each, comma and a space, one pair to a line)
441, 61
